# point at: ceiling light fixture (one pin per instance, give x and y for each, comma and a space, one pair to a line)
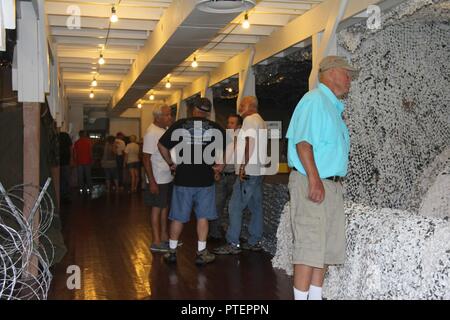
91, 95
246, 23
194, 63
152, 97
114, 17
168, 84
101, 60
94, 83
139, 105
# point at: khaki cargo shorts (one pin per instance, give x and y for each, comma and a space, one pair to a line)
318, 229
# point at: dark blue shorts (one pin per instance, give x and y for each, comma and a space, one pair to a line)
133, 165
201, 199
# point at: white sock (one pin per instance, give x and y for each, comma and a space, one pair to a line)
201, 245
300, 295
173, 244
315, 293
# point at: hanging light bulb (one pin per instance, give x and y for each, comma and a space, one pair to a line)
194, 63
91, 95
152, 97
246, 23
94, 83
101, 60
114, 17
139, 105
168, 84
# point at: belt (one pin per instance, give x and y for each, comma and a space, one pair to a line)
333, 178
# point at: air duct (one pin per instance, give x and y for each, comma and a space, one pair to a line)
225, 6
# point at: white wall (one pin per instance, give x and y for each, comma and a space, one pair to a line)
127, 126
75, 121
146, 117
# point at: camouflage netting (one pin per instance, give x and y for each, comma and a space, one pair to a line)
398, 109
397, 195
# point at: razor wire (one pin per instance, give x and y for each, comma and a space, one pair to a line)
22, 242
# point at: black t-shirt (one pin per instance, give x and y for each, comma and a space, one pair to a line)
195, 141
65, 143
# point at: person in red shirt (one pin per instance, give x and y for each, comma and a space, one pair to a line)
82, 156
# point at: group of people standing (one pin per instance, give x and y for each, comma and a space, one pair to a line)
318, 154
191, 183
181, 178
115, 157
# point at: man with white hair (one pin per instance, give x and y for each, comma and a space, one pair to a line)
247, 190
159, 178
318, 149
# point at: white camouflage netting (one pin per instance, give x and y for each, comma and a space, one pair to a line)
399, 119
391, 254
398, 109
435, 185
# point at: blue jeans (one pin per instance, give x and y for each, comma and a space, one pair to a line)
246, 194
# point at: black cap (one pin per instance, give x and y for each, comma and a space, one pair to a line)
203, 104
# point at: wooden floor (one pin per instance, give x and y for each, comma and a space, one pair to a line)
109, 238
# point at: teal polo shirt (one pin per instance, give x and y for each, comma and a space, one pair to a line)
317, 119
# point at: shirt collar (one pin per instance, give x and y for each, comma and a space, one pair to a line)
338, 103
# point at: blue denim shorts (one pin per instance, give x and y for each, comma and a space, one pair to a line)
201, 199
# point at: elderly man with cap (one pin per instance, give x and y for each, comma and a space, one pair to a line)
318, 151
195, 140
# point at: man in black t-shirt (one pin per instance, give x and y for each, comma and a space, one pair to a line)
197, 143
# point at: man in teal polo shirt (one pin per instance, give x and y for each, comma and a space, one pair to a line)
318, 149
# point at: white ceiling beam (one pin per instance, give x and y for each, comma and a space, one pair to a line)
96, 41
264, 19
297, 5
103, 23
253, 31
94, 54
90, 67
88, 76
99, 33
298, 30
93, 61
104, 10
236, 39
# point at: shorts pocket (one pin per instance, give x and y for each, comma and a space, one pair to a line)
310, 229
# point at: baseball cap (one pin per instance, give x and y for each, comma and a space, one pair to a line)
330, 62
203, 104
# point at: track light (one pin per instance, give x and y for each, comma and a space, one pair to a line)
139, 105
168, 84
101, 60
114, 17
94, 83
246, 23
194, 63
91, 95
152, 97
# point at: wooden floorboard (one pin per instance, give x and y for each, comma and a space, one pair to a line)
109, 238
